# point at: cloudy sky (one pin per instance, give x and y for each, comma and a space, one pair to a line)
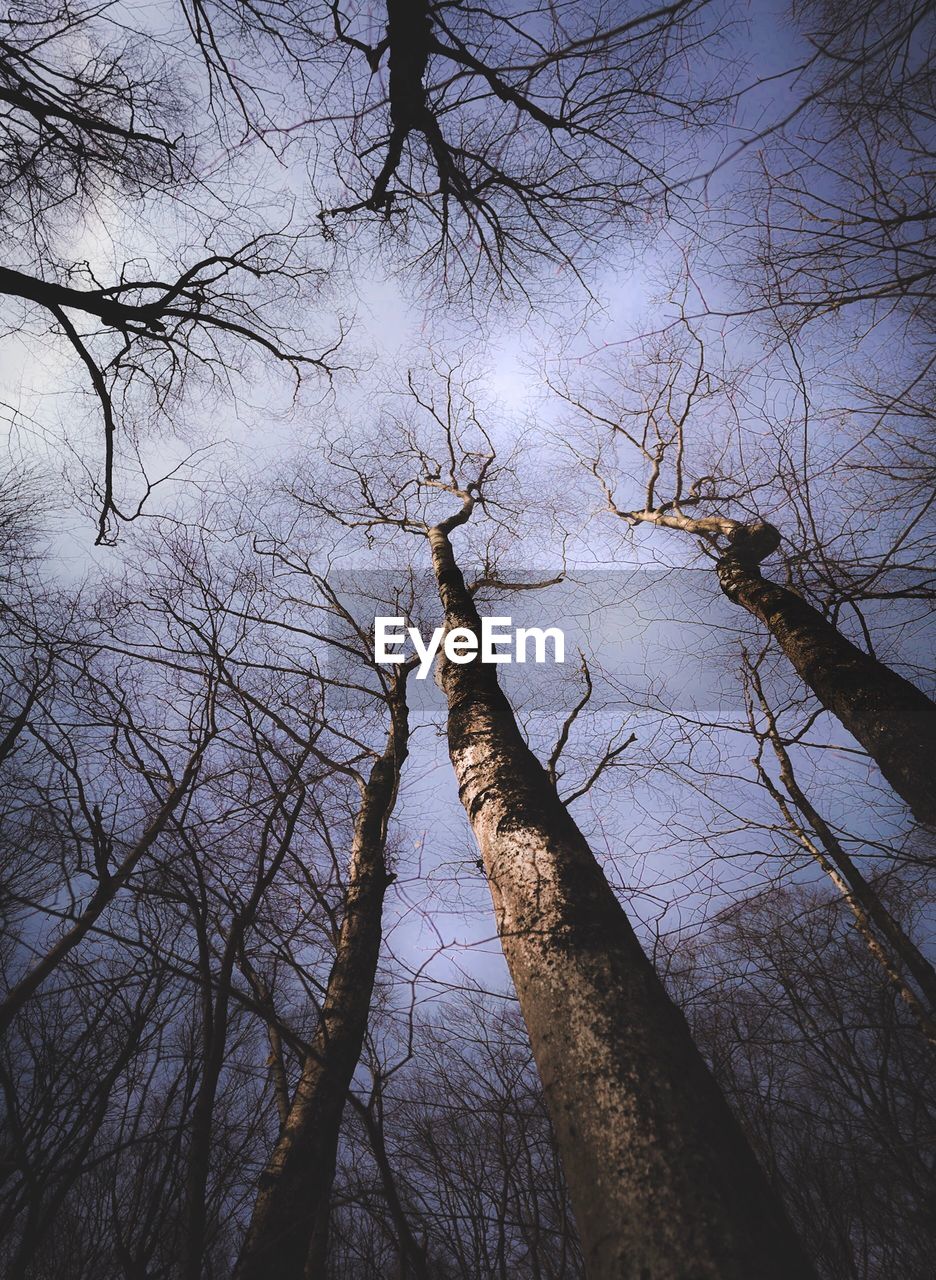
668, 642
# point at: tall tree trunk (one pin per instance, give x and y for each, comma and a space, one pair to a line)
662, 1182
413, 1263
201, 1126
214, 1030
893, 720
861, 897
287, 1232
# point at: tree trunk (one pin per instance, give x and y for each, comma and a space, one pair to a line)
891, 718
861, 897
661, 1179
214, 1041
214, 1032
286, 1236
413, 1262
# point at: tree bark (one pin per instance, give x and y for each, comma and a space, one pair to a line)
288, 1228
891, 718
662, 1181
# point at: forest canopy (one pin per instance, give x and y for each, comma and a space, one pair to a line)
611, 322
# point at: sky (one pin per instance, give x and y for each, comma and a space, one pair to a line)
667, 639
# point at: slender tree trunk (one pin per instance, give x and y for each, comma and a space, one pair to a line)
215, 1017
412, 1255
861, 897
891, 718
276, 1061
288, 1232
214, 1041
18, 724
662, 1181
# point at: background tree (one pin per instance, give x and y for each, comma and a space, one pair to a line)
99, 160
625, 1086
826, 1067
490, 146
720, 496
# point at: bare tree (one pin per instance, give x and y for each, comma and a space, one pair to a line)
85, 131
201, 884
627, 1090
488, 143
886, 939
228, 1047
106, 855
289, 1223
717, 506
87, 104
460, 1124
842, 209
825, 1066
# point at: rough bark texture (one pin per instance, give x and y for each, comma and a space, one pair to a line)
891, 718
288, 1230
662, 1181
